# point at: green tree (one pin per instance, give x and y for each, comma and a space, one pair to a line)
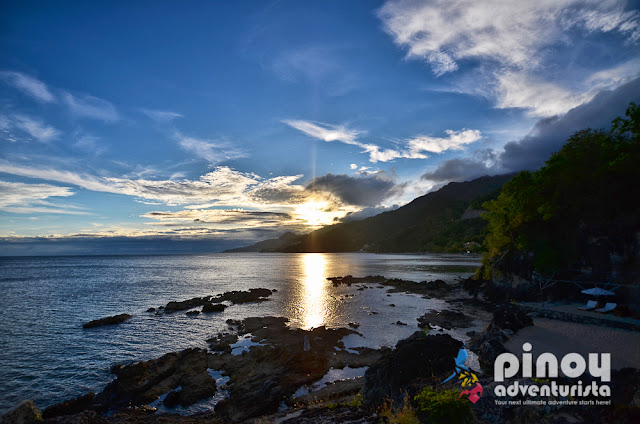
585, 191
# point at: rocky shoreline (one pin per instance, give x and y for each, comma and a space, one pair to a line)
269, 368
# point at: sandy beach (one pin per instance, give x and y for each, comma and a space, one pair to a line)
561, 337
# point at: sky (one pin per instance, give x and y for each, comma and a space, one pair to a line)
146, 127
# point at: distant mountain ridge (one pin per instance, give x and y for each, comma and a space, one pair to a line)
444, 220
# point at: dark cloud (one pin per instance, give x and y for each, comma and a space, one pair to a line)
220, 216
368, 190
460, 169
547, 136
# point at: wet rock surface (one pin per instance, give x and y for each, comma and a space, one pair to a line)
208, 302
270, 373
436, 287
447, 319
415, 362
112, 320
70, 407
340, 414
26, 412
337, 390
208, 308
143, 382
222, 342
194, 388
278, 361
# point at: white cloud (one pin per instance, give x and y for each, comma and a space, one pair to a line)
616, 75
413, 150
221, 187
510, 44
28, 85
455, 140
161, 116
80, 180
210, 150
516, 90
88, 106
326, 132
20, 193
353, 166
30, 198
507, 32
31, 126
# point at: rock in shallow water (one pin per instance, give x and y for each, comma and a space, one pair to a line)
234, 296
116, 319
447, 319
210, 307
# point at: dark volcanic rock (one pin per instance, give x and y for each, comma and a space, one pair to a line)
151, 310
509, 317
268, 374
193, 313
174, 306
210, 307
194, 388
395, 284
88, 416
488, 351
435, 285
253, 295
415, 362
69, 407
143, 382
222, 342
26, 412
446, 319
116, 319
340, 414
235, 297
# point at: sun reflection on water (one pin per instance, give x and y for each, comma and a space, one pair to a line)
314, 294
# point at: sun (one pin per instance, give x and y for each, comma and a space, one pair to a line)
315, 213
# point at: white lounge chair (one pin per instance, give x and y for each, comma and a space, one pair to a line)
607, 308
590, 306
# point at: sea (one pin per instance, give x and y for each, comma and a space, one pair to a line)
46, 355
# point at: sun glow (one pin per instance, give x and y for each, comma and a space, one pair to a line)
315, 213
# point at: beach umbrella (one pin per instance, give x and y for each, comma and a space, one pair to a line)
597, 291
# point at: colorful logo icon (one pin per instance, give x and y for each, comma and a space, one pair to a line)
468, 378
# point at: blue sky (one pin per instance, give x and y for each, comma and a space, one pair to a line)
235, 121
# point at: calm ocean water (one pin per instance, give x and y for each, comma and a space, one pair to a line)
48, 357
